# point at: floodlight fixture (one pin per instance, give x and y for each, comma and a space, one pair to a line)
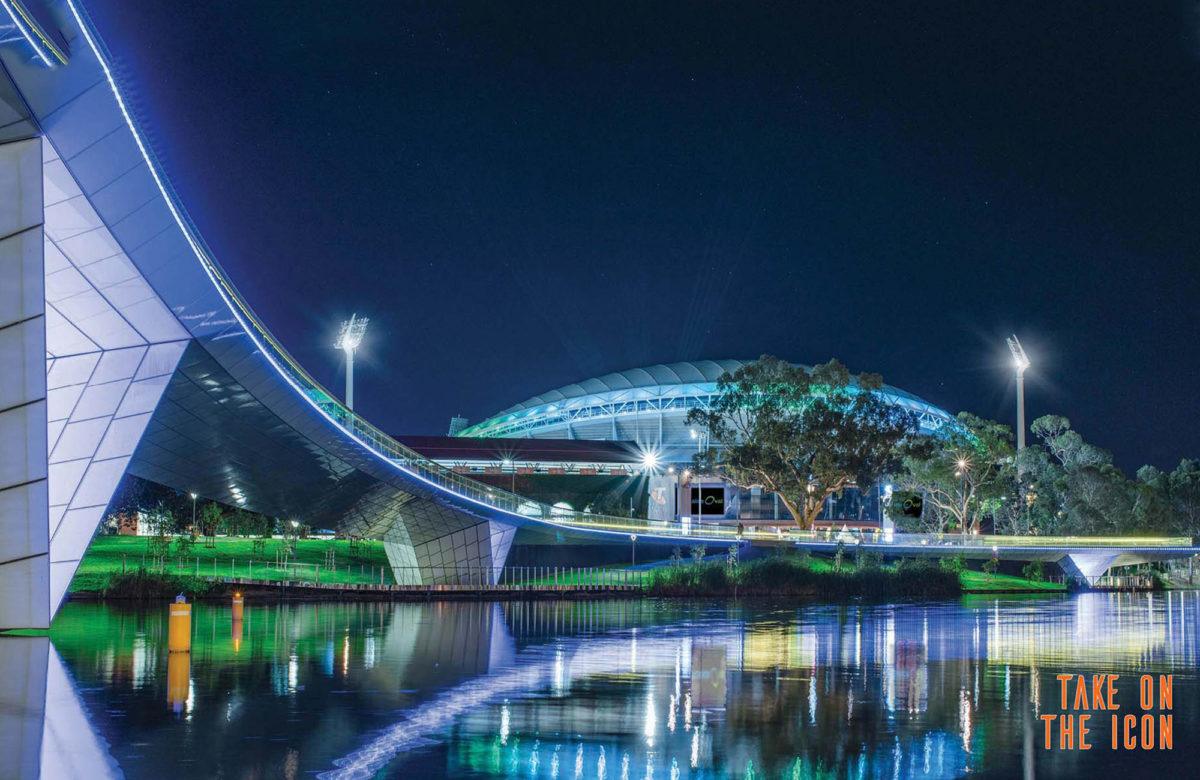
349, 338
1020, 359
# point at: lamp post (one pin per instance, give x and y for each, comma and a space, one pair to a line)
194, 497
963, 465
512, 470
1020, 363
632, 550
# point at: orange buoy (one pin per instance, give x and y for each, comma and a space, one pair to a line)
179, 626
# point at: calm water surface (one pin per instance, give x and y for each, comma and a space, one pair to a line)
616, 689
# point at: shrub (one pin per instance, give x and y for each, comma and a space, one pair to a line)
795, 576
184, 545
141, 584
1034, 570
869, 561
955, 564
991, 565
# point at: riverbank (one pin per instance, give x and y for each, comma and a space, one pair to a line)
799, 577
808, 578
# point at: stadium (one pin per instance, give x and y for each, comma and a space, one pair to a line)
647, 408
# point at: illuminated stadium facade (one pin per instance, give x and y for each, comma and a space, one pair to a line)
649, 407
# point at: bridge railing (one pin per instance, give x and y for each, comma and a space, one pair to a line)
981, 541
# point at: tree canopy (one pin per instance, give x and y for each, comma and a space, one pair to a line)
964, 474
803, 433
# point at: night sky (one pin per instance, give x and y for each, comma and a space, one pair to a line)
522, 195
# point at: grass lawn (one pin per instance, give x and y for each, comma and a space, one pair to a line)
235, 557
982, 581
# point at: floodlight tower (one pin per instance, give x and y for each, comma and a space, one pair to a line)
349, 338
1020, 362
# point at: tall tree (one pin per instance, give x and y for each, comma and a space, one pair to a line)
1074, 488
803, 433
964, 474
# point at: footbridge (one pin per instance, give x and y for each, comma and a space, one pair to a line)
124, 347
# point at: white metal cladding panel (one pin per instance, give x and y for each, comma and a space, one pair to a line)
21, 204
122, 436
20, 539
21, 294
118, 364
64, 478
99, 400
79, 440
61, 402
23, 431
96, 487
22, 356
72, 370
25, 584
63, 338
24, 601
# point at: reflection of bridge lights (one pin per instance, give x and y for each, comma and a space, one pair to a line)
504, 724
649, 725
964, 716
559, 688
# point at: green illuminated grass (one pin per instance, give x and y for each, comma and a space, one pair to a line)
977, 581
233, 557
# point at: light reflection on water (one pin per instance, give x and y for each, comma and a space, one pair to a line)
620, 689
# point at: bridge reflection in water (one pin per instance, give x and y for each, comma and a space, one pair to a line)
584, 689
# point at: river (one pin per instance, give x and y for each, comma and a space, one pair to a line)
602, 689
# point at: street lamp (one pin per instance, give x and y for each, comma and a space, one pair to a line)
963, 466
349, 338
194, 497
633, 550
1020, 363
512, 470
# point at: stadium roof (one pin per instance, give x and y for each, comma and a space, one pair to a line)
687, 372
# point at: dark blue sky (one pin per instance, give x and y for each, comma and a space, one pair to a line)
521, 195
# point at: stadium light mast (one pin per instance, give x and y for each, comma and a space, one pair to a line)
1020, 363
349, 338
